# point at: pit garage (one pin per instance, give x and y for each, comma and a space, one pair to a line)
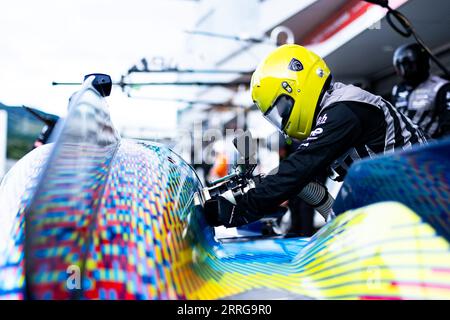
232, 150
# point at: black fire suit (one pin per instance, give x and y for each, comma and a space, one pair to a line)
426, 104
344, 131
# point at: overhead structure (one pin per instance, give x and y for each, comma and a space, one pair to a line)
144, 67
124, 84
358, 43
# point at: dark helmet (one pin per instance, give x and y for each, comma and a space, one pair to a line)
412, 63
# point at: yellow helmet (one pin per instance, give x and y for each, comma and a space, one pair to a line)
287, 86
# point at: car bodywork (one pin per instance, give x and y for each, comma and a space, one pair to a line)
94, 216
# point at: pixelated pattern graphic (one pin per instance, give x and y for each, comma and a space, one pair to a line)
420, 179
113, 218
138, 243
63, 213
62, 216
18, 190
122, 213
383, 251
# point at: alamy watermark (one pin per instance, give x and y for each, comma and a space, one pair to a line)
73, 281
201, 146
375, 26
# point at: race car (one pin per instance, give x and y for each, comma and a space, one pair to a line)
95, 216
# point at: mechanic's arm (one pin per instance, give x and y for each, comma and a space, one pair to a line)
325, 144
443, 105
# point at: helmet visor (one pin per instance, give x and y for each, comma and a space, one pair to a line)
280, 111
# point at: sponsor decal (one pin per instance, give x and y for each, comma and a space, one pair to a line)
322, 119
295, 65
316, 132
304, 145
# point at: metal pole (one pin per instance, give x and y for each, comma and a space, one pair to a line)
138, 84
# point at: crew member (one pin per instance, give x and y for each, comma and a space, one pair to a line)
423, 97
336, 123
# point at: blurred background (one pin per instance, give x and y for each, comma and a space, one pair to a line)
190, 63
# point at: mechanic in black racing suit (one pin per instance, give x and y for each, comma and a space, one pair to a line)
423, 97
337, 123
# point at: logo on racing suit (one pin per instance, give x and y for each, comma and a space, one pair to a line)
303, 146
313, 135
321, 120
316, 132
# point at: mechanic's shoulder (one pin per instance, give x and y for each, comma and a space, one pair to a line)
336, 115
437, 78
340, 110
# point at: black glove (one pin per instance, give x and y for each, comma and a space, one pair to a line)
220, 211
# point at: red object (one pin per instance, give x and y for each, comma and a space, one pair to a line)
347, 14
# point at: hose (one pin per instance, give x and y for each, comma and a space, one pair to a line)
318, 197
